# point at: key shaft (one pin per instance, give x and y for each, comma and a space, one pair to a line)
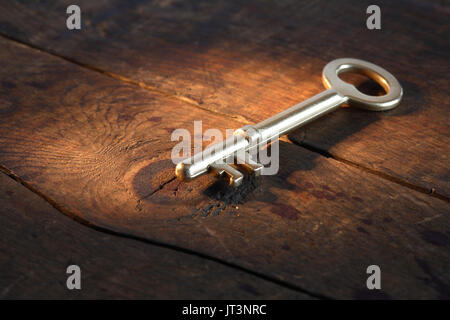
299, 115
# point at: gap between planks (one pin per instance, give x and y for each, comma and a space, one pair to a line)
172, 94
430, 192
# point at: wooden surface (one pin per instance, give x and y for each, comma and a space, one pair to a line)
111, 267
86, 119
252, 60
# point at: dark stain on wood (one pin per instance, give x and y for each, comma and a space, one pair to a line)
440, 286
436, 238
285, 211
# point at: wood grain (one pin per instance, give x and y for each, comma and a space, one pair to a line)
251, 60
99, 149
38, 244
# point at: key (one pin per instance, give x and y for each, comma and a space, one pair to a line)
246, 140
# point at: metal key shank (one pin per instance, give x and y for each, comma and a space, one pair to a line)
249, 138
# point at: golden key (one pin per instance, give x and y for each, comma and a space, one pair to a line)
247, 139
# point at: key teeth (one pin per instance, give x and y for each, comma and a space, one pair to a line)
250, 164
235, 176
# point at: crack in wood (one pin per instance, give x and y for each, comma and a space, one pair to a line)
160, 187
140, 84
430, 192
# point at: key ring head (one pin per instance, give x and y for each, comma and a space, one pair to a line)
331, 80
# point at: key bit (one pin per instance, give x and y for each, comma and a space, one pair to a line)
248, 139
247, 162
235, 177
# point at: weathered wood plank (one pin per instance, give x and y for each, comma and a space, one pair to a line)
100, 149
251, 60
38, 243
